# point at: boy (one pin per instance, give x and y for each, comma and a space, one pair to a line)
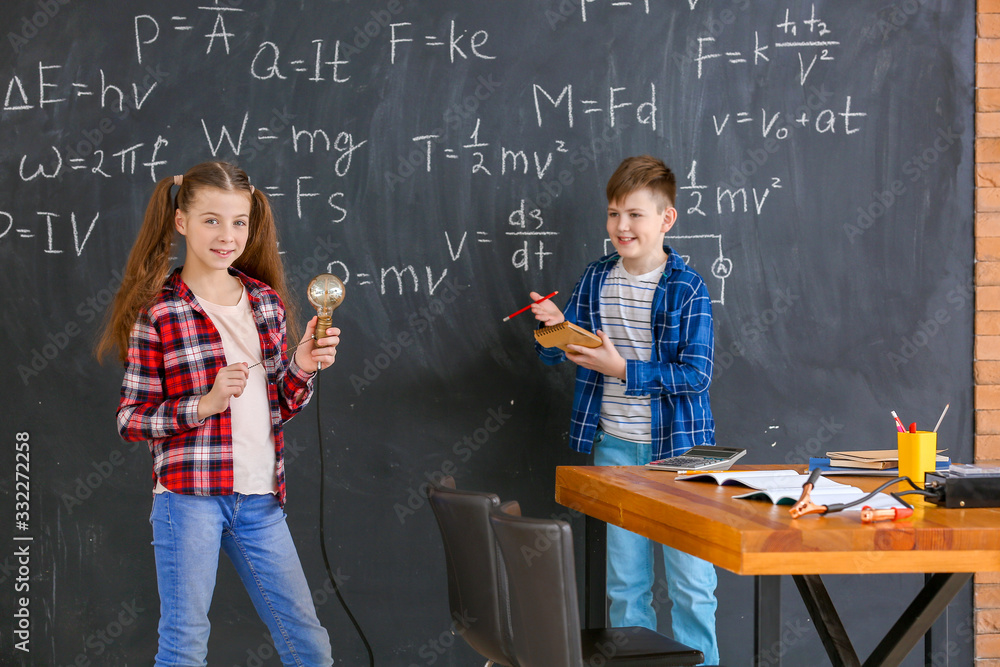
643, 394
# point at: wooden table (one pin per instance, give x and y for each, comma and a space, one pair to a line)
760, 539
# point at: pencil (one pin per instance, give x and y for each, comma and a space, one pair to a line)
530, 305
941, 418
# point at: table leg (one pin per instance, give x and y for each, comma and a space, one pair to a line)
827, 621
913, 624
929, 635
767, 621
595, 574
917, 619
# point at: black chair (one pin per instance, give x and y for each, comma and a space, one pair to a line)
538, 555
477, 580
480, 602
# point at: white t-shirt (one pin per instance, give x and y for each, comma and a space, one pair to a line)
626, 306
254, 463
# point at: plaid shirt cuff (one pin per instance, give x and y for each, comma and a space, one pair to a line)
636, 377
187, 413
299, 383
295, 371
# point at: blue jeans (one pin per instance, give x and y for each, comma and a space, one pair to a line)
188, 532
691, 581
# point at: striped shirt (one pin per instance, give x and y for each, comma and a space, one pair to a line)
625, 306
677, 375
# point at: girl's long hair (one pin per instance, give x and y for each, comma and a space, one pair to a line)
149, 261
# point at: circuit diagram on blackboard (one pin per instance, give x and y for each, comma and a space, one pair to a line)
697, 250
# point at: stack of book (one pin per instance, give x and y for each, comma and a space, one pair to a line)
879, 462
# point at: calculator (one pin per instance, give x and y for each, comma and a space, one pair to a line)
700, 458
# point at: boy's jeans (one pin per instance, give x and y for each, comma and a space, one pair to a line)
188, 532
690, 581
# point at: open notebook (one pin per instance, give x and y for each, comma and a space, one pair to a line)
784, 487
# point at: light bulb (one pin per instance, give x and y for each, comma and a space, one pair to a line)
325, 293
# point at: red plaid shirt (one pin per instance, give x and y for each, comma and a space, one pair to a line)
174, 354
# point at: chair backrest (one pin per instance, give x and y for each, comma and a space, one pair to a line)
545, 618
477, 579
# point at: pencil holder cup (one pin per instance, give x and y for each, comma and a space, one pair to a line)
917, 454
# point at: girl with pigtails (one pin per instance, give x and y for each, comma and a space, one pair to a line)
208, 382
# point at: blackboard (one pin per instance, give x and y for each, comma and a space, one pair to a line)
444, 158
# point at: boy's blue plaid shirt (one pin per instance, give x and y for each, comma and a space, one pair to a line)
678, 375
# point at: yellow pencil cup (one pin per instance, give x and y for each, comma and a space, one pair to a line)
917, 454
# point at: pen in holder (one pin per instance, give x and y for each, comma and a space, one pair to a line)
917, 454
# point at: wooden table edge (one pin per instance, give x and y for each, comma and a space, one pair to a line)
773, 563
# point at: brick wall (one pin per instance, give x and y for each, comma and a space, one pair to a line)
987, 329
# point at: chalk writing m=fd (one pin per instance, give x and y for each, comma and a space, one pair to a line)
645, 112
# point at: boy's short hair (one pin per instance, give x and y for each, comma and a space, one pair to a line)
644, 171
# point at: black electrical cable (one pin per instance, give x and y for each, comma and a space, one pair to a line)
322, 534
917, 490
925, 494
